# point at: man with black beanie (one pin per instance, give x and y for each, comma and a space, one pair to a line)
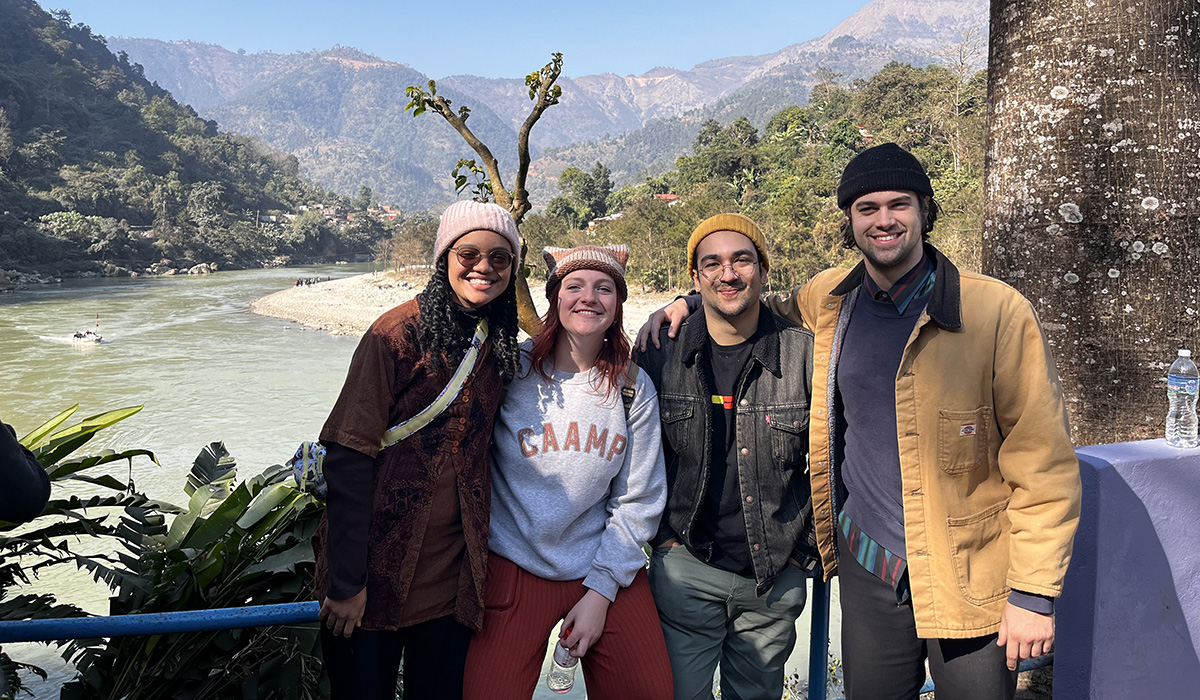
945, 487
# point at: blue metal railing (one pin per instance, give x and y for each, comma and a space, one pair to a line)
157, 623
306, 612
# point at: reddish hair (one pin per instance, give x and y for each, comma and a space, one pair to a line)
613, 357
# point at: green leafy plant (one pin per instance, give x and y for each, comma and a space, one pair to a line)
27, 550
475, 178
251, 547
233, 545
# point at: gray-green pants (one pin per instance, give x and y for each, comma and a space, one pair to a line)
711, 616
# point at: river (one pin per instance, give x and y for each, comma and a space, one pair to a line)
188, 349
205, 368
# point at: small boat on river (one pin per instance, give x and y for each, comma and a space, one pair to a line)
88, 337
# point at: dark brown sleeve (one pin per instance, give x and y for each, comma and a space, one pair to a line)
380, 369
24, 484
350, 479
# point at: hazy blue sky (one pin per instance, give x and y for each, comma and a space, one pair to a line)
501, 38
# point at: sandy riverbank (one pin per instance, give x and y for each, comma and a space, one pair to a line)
348, 306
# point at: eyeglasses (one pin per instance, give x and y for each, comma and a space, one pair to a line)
469, 256
713, 270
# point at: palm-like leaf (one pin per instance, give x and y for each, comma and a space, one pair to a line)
58, 445
212, 467
34, 438
66, 469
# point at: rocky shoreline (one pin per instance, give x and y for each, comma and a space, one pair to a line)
350, 305
14, 279
346, 306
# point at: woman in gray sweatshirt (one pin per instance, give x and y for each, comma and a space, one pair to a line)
579, 485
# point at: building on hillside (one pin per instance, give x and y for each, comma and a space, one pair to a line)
591, 227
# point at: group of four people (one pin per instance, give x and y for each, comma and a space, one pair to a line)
899, 424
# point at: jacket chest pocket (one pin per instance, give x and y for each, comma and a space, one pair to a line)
963, 440
676, 416
789, 437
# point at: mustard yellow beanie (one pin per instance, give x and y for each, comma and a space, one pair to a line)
728, 222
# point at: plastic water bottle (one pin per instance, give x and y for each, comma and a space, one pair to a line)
1183, 382
562, 670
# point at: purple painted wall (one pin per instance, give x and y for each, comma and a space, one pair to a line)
1129, 617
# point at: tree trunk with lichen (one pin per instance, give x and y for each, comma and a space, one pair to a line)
1092, 194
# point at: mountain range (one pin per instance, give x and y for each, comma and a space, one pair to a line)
341, 111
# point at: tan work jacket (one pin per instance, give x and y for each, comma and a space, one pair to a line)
990, 480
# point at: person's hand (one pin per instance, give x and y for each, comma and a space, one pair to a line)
584, 624
674, 313
1025, 633
343, 616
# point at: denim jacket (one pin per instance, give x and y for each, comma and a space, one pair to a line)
772, 412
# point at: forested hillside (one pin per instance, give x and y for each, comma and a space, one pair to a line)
784, 176
101, 170
653, 149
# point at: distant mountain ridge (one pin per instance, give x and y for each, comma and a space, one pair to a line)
300, 103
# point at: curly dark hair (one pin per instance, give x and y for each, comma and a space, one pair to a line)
445, 326
929, 215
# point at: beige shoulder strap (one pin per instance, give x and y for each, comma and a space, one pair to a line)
444, 399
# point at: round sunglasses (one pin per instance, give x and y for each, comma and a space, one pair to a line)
469, 256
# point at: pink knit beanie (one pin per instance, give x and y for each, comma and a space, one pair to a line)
468, 215
609, 259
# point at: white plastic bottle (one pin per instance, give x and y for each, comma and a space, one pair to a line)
562, 670
1183, 384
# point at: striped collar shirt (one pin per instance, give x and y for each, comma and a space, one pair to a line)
915, 284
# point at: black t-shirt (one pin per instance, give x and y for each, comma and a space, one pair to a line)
721, 516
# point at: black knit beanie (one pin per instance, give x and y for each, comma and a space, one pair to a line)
884, 167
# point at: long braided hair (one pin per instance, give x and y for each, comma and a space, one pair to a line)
445, 327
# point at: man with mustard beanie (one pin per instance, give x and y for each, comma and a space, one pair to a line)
736, 542
945, 487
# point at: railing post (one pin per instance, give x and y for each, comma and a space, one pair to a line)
818, 642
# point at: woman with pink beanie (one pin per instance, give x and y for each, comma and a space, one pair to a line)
402, 549
579, 485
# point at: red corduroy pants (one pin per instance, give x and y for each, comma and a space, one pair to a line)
628, 662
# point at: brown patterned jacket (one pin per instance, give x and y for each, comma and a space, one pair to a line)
390, 379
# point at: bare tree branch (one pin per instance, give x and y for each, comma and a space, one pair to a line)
545, 94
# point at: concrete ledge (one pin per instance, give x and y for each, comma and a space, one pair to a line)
1129, 617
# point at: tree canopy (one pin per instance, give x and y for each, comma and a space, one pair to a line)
785, 176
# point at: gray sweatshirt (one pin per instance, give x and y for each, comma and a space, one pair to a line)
576, 491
